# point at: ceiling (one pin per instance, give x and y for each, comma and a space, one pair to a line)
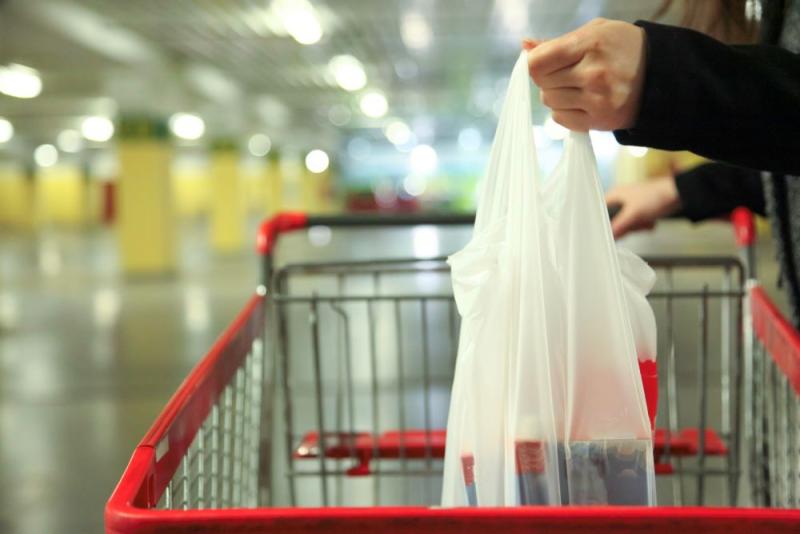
441, 64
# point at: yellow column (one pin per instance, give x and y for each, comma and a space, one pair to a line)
191, 186
660, 163
316, 189
61, 194
252, 172
292, 174
227, 204
146, 223
629, 167
273, 185
16, 196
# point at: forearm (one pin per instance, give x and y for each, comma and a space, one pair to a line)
738, 104
715, 189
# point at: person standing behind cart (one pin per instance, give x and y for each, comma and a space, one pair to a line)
675, 88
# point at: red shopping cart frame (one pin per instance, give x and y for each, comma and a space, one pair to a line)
780, 339
131, 508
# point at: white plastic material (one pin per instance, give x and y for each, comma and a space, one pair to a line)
547, 404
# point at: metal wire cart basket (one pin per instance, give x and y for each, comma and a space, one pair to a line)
323, 406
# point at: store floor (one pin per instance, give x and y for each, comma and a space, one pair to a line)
88, 356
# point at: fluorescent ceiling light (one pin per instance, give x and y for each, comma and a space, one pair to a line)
423, 159
6, 130
98, 129
45, 155
187, 126
259, 145
317, 161
374, 104
415, 31
348, 72
300, 20
20, 81
397, 132
69, 141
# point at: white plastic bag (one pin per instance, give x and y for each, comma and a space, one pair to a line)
547, 403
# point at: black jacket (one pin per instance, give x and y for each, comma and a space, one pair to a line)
737, 105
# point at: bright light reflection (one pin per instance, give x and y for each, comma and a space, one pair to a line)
423, 159
319, 236
397, 132
69, 141
187, 126
348, 72
259, 145
637, 151
415, 31
20, 81
6, 130
45, 155
425, 241
300, 20
415, 185
98, 129
373, 104
105, 306
196, 308
317, 161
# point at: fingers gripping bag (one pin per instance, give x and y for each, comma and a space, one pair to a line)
547, 403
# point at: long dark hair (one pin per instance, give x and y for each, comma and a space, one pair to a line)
731, 21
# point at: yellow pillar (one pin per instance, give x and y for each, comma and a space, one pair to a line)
16, 196
629, 167
146, 222
227, 203
660, 163
316, 191
252, 171
191, 186
292, 173
61, 194
273, 185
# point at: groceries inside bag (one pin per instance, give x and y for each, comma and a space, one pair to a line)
547, 403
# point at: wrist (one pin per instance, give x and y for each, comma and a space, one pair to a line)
637, 84
670, 198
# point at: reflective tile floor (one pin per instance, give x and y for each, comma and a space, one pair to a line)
88, 356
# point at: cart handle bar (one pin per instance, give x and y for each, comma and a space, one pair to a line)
272, 228
743, 227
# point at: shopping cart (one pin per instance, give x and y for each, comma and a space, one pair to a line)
323, 405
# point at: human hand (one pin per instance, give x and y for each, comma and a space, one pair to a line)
642, 204
592, 77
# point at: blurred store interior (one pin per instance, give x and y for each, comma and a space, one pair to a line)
141, 142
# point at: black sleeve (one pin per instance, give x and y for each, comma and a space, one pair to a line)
737, 104
715, 189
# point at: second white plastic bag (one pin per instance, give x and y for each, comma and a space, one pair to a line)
547, 404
